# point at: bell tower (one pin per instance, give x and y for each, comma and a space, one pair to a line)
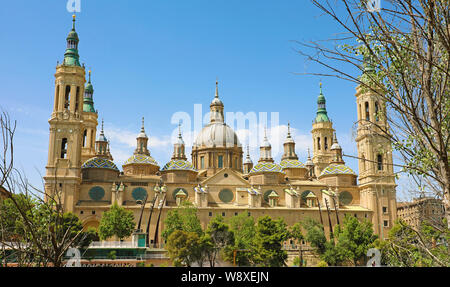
63, 170
90, 121
376, 174
322, 133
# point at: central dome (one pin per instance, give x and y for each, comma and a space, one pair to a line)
217, 135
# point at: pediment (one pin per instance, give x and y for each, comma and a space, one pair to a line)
226, 176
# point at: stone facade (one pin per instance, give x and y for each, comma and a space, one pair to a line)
217, 180
421, 209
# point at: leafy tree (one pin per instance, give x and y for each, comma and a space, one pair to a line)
184, 248
315, 234
183, 218
403, 53
270, 235
244, 229
116, 222
407, 247
220, 236
295, 232
354, 238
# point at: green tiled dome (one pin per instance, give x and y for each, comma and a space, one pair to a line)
266, 167
141, 159
98, 162
290, 163
176, 164
337, 169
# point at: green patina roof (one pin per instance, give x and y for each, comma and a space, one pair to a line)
71, 57
322, 115
88, 106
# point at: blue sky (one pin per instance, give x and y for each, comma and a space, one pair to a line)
156, 58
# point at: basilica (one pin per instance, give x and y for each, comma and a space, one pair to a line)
219, 177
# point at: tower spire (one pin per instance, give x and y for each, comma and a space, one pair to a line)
88, 100
217, 89
178, 147
322, 115
71, 57
74, 17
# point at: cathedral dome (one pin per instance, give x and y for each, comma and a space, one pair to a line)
266, 167
291, 163
141, 159
337, 169
99, 162
217, 135
178, 165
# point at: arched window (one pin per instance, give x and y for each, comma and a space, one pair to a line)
326, 143
220, 161
367, 111
202, 162
67, 97
318, 143
64, 148
57, 98
379, 162
84, 138
77, 99
377, 110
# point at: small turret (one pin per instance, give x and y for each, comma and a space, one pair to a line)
248, 163
142, 141
265, 149
289, 147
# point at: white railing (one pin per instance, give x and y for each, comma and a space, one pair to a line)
113, 244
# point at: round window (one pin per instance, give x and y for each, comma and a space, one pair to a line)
139, 193
176, 190
226, 195
96, 193
345, 197
266, 195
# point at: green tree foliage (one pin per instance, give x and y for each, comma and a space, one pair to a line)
270, 234
407, 247
221, 237
116, 222
185, 248
244, 229
354, 238
49, 227
183, 218
315, 234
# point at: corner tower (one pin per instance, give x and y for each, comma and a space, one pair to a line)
322, 133
63, 170
376, 174
90, 122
